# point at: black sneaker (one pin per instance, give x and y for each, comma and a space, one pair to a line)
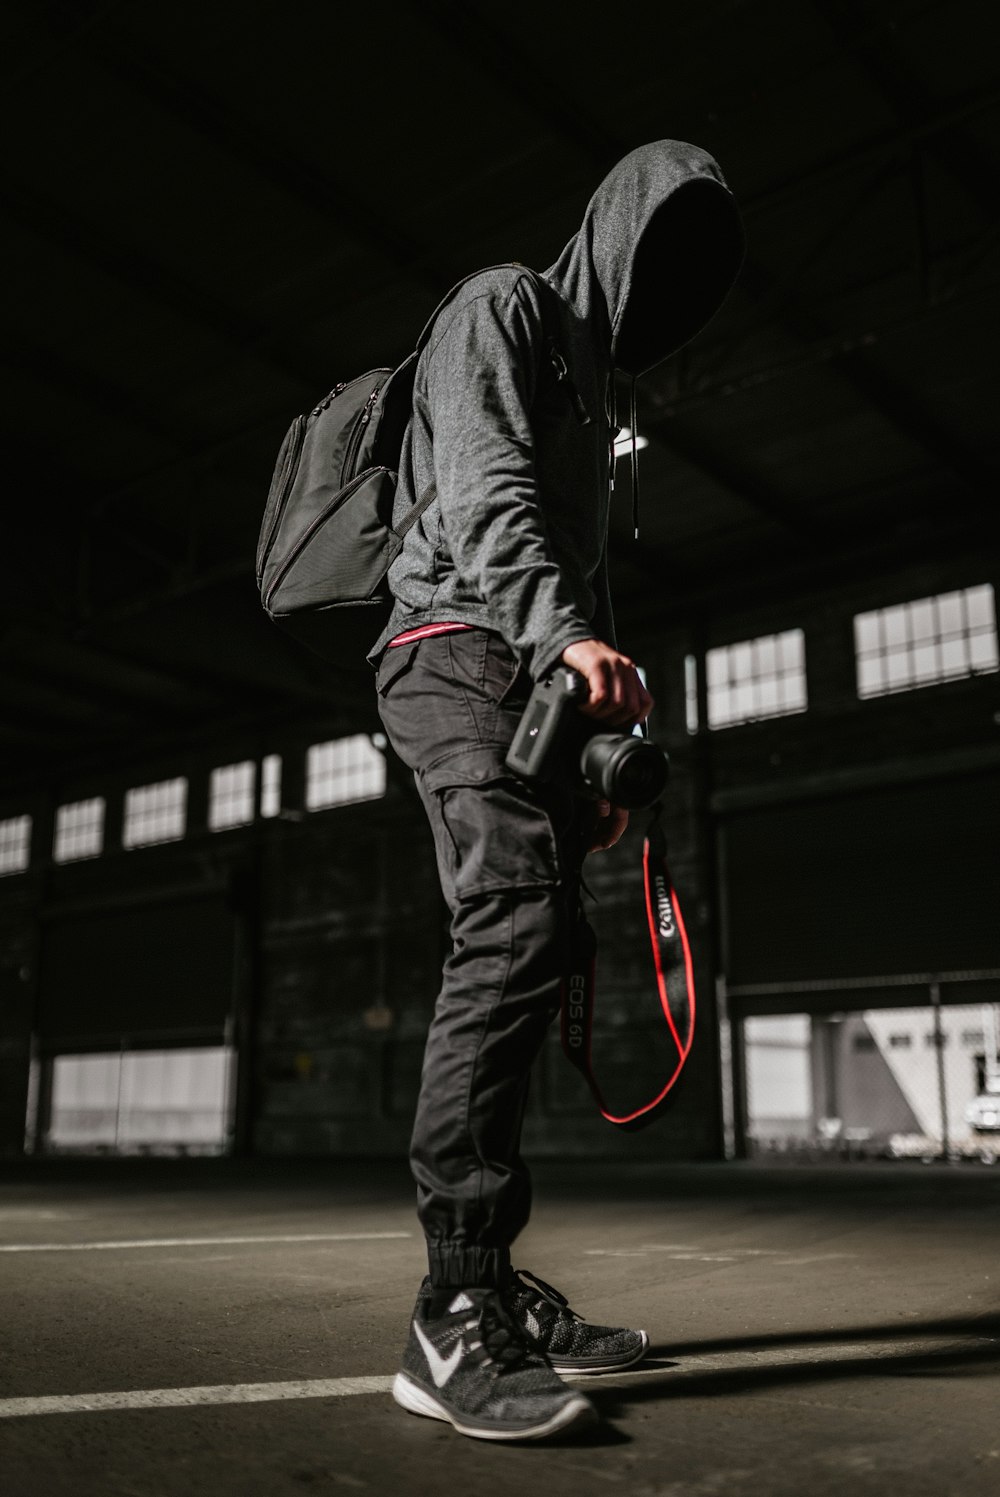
569, 1343
475, 1368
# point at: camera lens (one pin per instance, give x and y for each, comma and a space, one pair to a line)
627, 771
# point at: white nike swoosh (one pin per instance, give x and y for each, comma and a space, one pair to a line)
441, 1367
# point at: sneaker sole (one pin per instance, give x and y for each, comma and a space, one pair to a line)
411, 1396
584, 1368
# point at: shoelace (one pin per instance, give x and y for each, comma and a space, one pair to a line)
524, 1281
503, 1338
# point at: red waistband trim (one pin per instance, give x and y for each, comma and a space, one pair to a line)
425, 632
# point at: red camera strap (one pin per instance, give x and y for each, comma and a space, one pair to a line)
674, 981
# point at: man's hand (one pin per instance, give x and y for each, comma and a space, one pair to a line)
608, 828
617, 696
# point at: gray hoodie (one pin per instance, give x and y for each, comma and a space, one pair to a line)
514, 410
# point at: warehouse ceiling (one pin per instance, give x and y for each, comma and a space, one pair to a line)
214, 212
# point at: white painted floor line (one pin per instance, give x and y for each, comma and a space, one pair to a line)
695, 1255
155, 1242
183, 1398
665, 1366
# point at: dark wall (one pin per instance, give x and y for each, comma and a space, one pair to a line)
314, 940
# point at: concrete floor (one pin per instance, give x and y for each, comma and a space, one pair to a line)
820, 1332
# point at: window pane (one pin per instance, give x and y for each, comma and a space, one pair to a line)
740, 662
980, 608
951, 635
756, 678
766, 663
925, 662
894, 625
691, 692
154, 813
343, 770
954, 657
715, 667
871, 679
951, 613
866, 633
270, 785
923, 623
897, 670
983, 652
231, 795
793, 650
15, 844
79, 831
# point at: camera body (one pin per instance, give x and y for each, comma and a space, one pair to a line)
555, 739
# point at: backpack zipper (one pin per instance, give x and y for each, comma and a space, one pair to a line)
341, 496
282, 484
354, 442
327, 399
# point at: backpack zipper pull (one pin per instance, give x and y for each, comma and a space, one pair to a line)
327, 399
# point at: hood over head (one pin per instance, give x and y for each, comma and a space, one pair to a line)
660, 245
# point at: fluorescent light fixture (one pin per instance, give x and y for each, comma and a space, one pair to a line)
623, 442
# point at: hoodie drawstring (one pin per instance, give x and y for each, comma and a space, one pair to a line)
613, 419
635, 465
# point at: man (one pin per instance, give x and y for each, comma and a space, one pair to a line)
503, 577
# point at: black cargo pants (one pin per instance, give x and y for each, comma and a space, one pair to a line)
509, 857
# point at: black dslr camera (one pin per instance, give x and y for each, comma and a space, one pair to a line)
555, 738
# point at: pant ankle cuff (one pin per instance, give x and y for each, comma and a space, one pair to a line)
456, 1265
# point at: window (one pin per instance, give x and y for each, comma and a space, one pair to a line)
79, 830
865, 1042
757, 678
230, 795
640, 672
691, 692
976, 1038
142, 1101
154, 813
900, 1041
270, 785
930, 640
343, 770
15, 844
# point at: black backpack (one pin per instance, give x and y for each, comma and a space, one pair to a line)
327, 539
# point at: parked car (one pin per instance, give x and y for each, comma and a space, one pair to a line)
983, 1112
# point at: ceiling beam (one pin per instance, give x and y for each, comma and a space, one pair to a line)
897, 142
871, 48
237, 132
911, 416
735, 476
157, 282
109, 675
497, 52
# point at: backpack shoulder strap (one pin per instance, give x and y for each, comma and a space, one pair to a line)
505, 265
553, 352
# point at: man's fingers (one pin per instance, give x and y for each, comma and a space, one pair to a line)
609, 828
616, 695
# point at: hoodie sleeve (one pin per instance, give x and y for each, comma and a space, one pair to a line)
481, 377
